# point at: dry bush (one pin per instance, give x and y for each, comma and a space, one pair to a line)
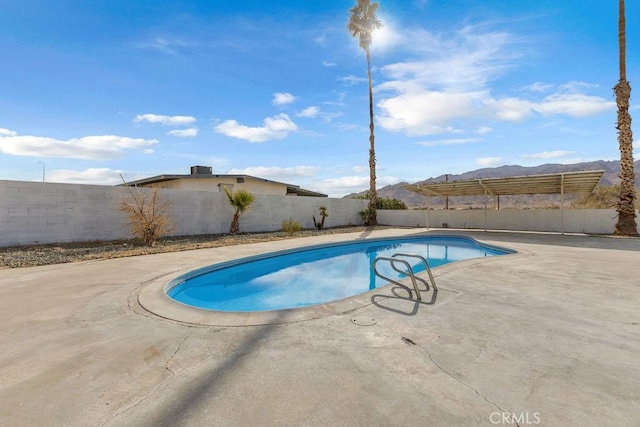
147, 215
291, 226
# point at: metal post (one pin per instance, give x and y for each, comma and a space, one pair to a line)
427, 214
43, 168
446, 198
562, 203
485, 208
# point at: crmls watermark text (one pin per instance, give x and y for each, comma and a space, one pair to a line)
515, 418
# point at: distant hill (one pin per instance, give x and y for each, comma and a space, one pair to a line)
610, 177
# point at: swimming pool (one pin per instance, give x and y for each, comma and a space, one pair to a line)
314, 275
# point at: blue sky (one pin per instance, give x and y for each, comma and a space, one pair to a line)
93, 89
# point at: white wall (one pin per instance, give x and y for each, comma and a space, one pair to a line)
35, 212
591, 221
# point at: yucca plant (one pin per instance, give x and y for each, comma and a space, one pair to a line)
323, 214
240, 200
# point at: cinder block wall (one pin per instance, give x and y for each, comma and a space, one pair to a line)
34, 212
590, 221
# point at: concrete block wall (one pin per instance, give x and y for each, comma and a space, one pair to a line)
34, 212
590, 221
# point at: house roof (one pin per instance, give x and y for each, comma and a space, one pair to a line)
556, 183
291, 189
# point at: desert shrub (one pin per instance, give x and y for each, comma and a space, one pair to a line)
148, 215
290, 226
368, 215
384, 202
393, 204
603, 197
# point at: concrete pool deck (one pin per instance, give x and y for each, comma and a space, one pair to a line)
550, 336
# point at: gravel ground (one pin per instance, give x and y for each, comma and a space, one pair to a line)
29, 256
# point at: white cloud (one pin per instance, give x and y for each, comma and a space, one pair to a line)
418, 111
165, 120
574, 104
283, 98
538, 87
353, 80
509, 109
488, 162
548, 154
427, 96
7, 132
88, 147
309, 112
569, 104
276, 127
99, 176
328, 64
448, 142
450, 83
184, 133
278, 173
576, 87
483, 130
466, 61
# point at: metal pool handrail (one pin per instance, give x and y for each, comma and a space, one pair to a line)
395, 258
426, 267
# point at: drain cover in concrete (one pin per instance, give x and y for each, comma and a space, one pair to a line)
363, 320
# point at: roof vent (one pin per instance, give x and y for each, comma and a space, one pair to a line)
201, 170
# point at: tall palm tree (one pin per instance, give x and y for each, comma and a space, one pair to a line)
362, 23
240, 200
626, 224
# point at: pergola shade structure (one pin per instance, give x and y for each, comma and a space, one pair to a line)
556, 183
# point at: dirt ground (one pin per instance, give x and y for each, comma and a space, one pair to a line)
57, 253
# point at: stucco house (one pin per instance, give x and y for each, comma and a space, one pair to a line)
202, 178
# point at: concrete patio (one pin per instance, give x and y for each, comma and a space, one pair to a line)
549, 336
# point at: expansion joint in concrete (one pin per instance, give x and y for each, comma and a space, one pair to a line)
152, 393
469, 386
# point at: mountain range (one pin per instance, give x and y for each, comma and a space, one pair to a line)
411, 199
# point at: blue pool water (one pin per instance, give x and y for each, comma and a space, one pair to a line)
304, 277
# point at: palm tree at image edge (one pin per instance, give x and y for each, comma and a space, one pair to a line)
362, 22
626, 223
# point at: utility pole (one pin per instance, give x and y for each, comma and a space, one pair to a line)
446, 198
43, 167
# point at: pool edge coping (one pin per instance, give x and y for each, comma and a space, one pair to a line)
152, 297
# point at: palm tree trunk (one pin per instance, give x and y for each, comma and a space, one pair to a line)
235, 223
373, 197
626, 224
